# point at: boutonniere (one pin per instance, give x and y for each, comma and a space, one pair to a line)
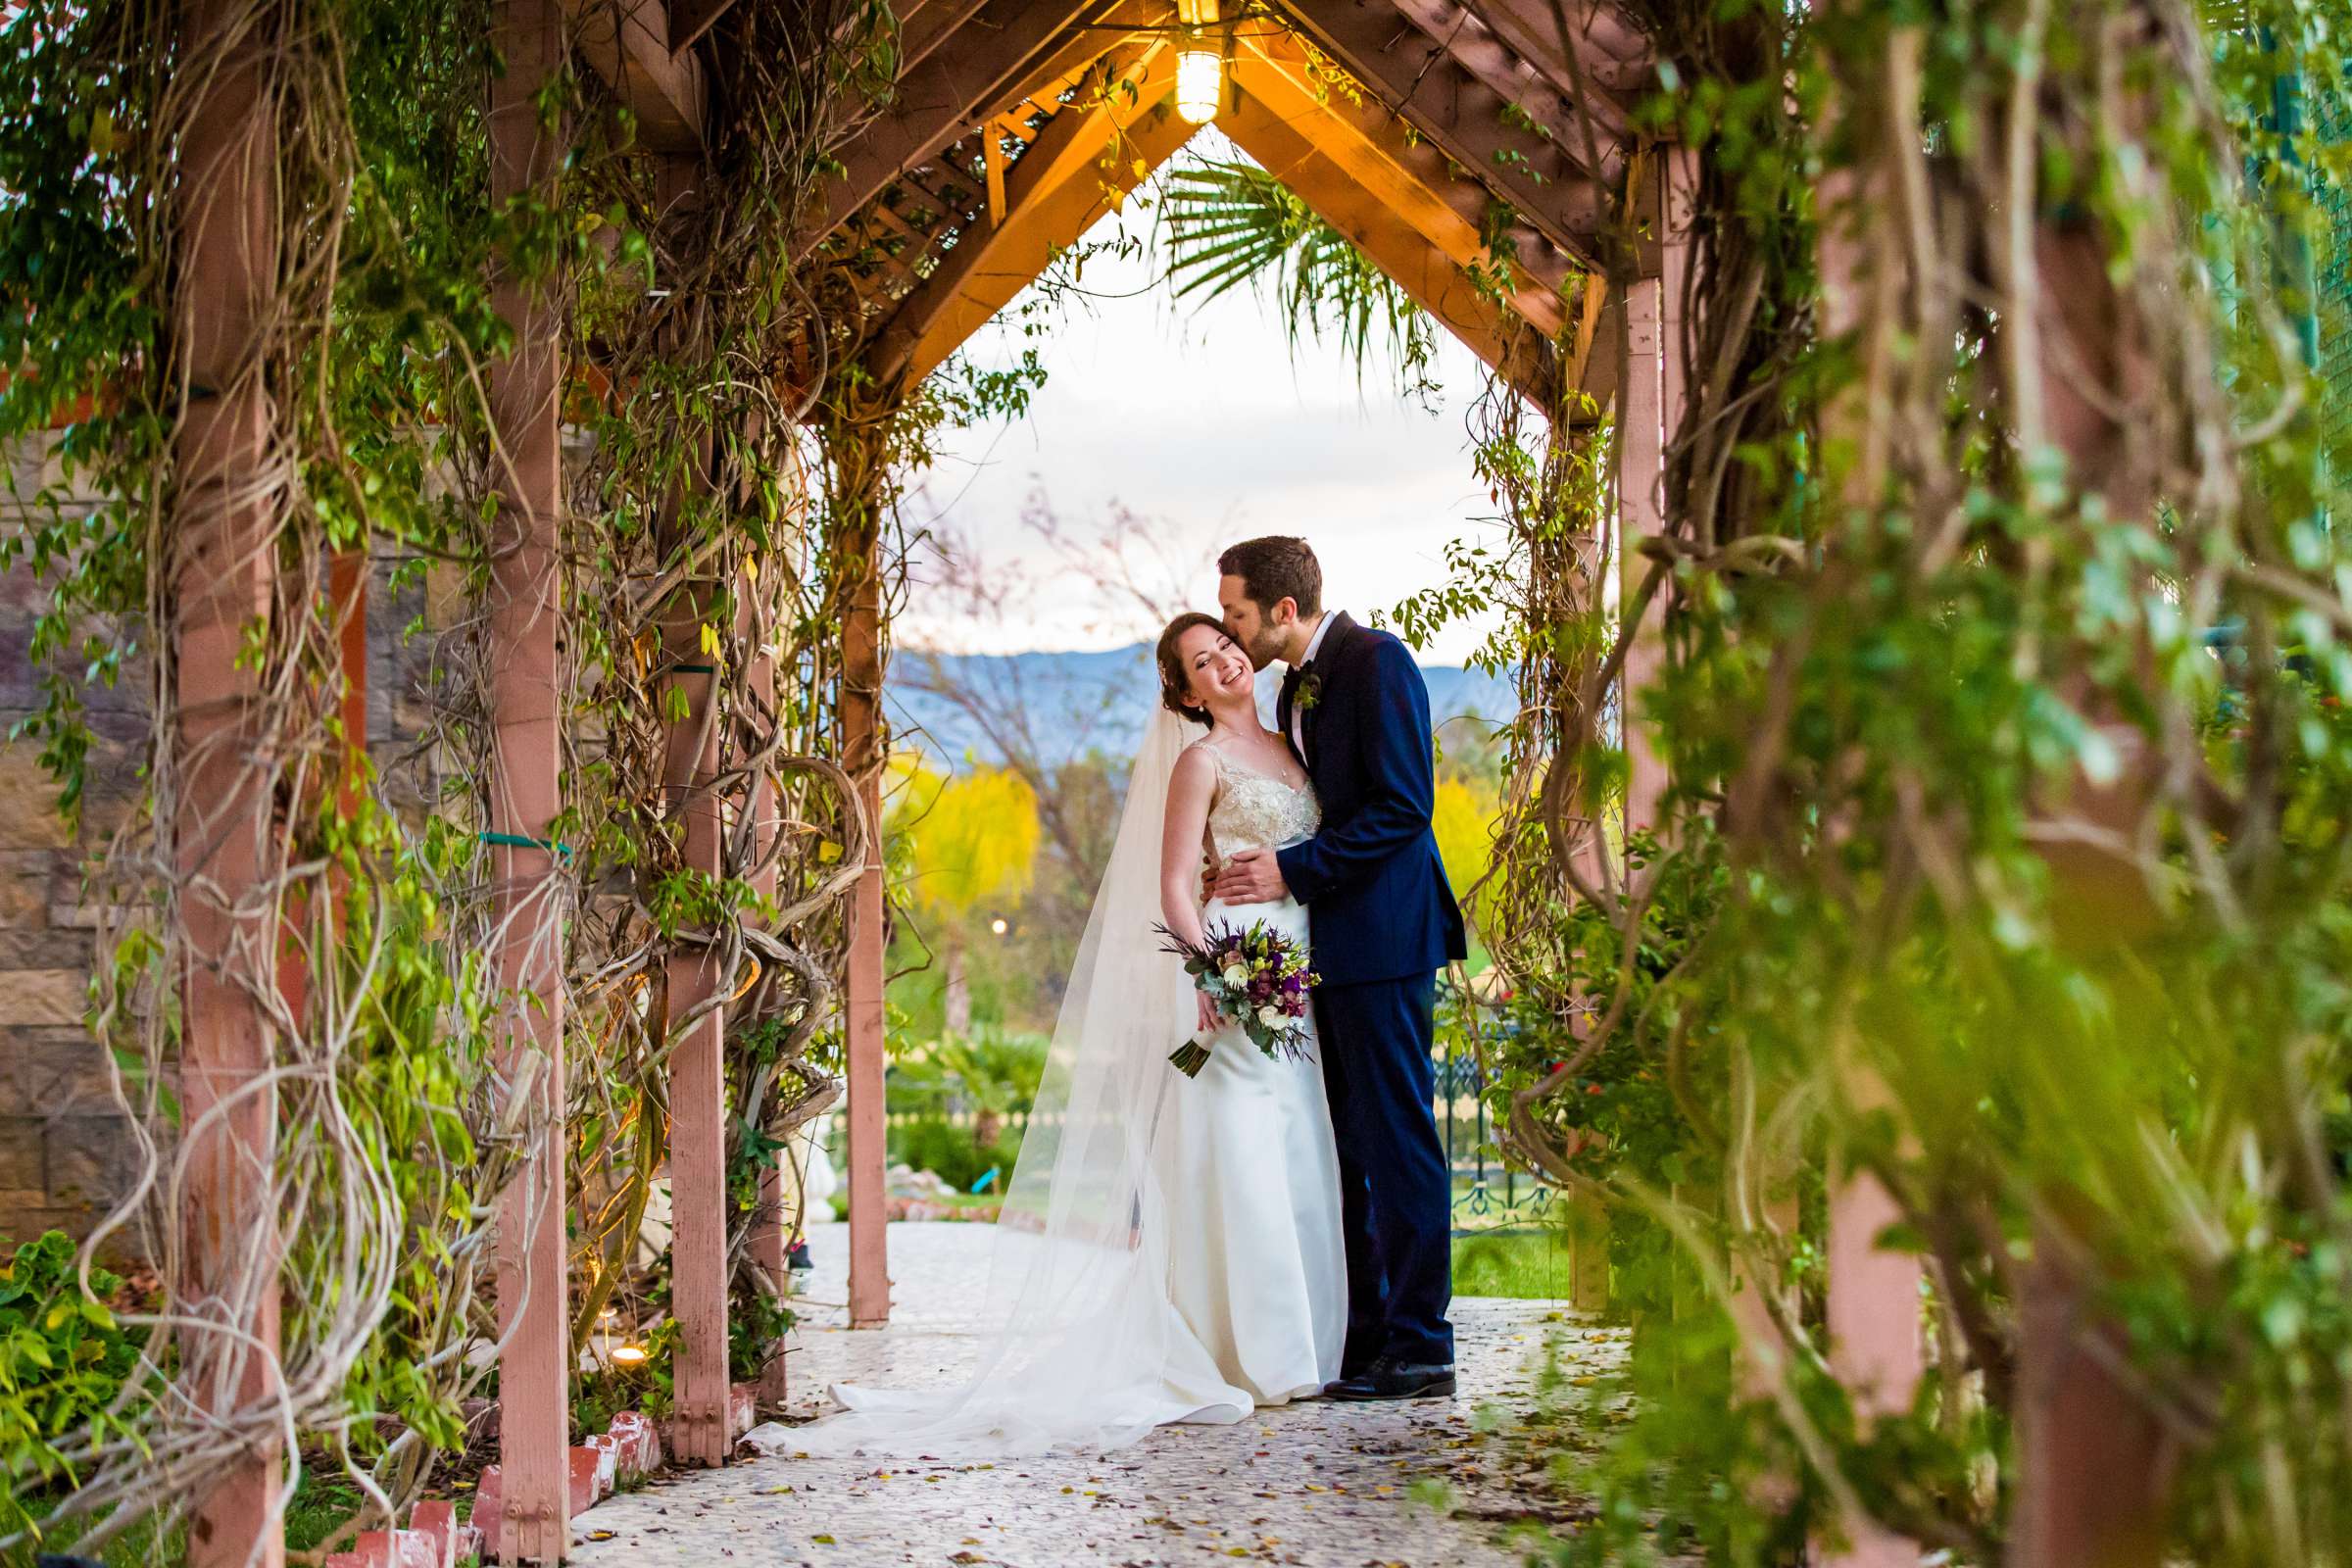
1310, 687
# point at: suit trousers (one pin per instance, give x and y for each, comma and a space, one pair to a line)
1395, 1188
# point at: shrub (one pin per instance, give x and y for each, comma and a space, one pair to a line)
947, 1151
62, 1360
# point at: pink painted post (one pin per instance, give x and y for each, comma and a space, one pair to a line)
770, 1239
1642, 424
1872, 1303
222, 574
698, 1119
526, 652
698, 1133
861, 728
1650, 409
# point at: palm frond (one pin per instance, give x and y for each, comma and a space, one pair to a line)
1227, 224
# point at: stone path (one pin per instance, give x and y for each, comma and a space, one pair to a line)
1318, 1484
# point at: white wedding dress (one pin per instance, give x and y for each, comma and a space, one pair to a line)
1170, 1249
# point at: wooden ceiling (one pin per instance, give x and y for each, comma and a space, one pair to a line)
1422, 129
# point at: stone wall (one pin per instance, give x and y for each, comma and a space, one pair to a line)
65, 1151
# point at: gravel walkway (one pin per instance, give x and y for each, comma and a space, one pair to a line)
1319, 1485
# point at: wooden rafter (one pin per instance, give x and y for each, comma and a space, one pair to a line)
941, 100
1434, 281
924, 27
1409, 178
1591, 358
689, 19
1048, 221
1604, 47
977, 217
1417, 80
626, 43
1483, 54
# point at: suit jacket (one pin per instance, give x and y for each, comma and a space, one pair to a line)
1371, 879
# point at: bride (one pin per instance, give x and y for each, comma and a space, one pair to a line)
1170, 1248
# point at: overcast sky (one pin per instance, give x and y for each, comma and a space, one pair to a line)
1201, 422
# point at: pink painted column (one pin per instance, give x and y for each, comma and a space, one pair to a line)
1649, 410
698, 1119
698, 1132
1872, 1307
347, 591
527, 663
1874, 1342
861, 727
1642, 424
771, 1240
222, 574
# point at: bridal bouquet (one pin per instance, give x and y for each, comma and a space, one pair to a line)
1258, 977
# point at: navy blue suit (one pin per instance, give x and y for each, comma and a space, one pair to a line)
1384, 922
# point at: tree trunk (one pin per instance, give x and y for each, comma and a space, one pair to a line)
957, 1003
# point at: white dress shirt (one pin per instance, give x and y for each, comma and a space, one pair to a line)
1314, 646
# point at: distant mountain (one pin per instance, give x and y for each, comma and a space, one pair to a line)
1070, 704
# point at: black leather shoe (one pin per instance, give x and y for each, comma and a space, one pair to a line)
1391, 1379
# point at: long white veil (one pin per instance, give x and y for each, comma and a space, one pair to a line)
1080, 1350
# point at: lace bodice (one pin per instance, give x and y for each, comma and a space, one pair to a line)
1255, 811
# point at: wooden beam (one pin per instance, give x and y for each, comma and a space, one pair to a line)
689, 19
940, 100
626, 42
1119, 92
924, 27
1588, 346
1478, 50
1604, 46
1409, 176
1416, 80
1033, 232
992, 154
1065, 63
1515, 349
527, 716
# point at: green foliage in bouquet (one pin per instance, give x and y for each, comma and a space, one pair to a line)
1258, 979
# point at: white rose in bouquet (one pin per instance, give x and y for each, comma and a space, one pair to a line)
1237, 977
1271, 1016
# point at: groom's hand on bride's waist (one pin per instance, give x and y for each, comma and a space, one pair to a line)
1250, 876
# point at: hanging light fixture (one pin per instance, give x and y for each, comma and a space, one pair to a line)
1199, 62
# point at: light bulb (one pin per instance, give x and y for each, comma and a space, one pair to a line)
1199, 84
629, 1356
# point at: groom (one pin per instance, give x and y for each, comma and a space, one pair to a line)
1383, 923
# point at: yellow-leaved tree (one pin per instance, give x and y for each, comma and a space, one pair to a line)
973, 847
1464, 823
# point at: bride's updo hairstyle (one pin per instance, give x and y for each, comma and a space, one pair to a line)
1175, 681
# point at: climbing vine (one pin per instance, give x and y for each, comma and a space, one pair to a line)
693, 538
2000, 626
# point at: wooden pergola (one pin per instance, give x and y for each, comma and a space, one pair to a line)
1451, 143
1444, 139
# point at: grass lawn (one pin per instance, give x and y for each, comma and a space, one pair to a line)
322, 1500
1530, 1265
135, 1548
